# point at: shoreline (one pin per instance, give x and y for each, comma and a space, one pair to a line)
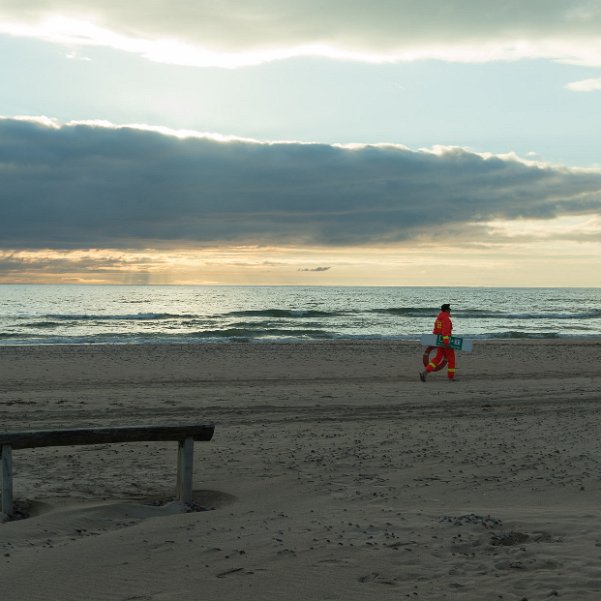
477, 338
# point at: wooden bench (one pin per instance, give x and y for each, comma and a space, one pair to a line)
184, 434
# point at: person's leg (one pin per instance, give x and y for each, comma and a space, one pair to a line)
450, 354
435, 361
433, 364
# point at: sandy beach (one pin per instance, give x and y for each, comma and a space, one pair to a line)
334, 473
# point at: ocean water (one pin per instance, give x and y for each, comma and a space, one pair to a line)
204, 314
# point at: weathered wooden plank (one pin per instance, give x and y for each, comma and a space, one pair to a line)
185, 469
7, 480
184, 434
85, 436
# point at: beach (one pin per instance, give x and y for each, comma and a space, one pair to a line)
334, 473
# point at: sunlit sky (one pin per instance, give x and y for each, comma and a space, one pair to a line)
301, 142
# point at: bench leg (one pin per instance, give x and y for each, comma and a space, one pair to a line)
185, 461
7, 480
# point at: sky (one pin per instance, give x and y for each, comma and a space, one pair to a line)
339, 142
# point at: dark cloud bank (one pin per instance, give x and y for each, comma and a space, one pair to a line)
84, 186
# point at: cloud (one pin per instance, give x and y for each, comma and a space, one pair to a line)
233, 34
107, 187
585, 85
315, 269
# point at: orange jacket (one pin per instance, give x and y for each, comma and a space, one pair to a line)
444, 326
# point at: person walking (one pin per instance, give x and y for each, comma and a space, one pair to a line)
443, 326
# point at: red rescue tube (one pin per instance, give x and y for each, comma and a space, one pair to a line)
426, 358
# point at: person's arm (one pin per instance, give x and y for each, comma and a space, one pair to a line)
447, 328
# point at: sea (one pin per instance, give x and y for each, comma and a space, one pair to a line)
87, 314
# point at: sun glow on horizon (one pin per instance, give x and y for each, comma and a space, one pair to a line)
515, 254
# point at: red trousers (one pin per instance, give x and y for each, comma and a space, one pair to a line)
443, 353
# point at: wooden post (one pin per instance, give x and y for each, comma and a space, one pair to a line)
185, 465
7, 480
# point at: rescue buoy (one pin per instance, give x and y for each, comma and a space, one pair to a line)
426, 358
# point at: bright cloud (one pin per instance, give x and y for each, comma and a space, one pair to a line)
234, 34
585, 85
